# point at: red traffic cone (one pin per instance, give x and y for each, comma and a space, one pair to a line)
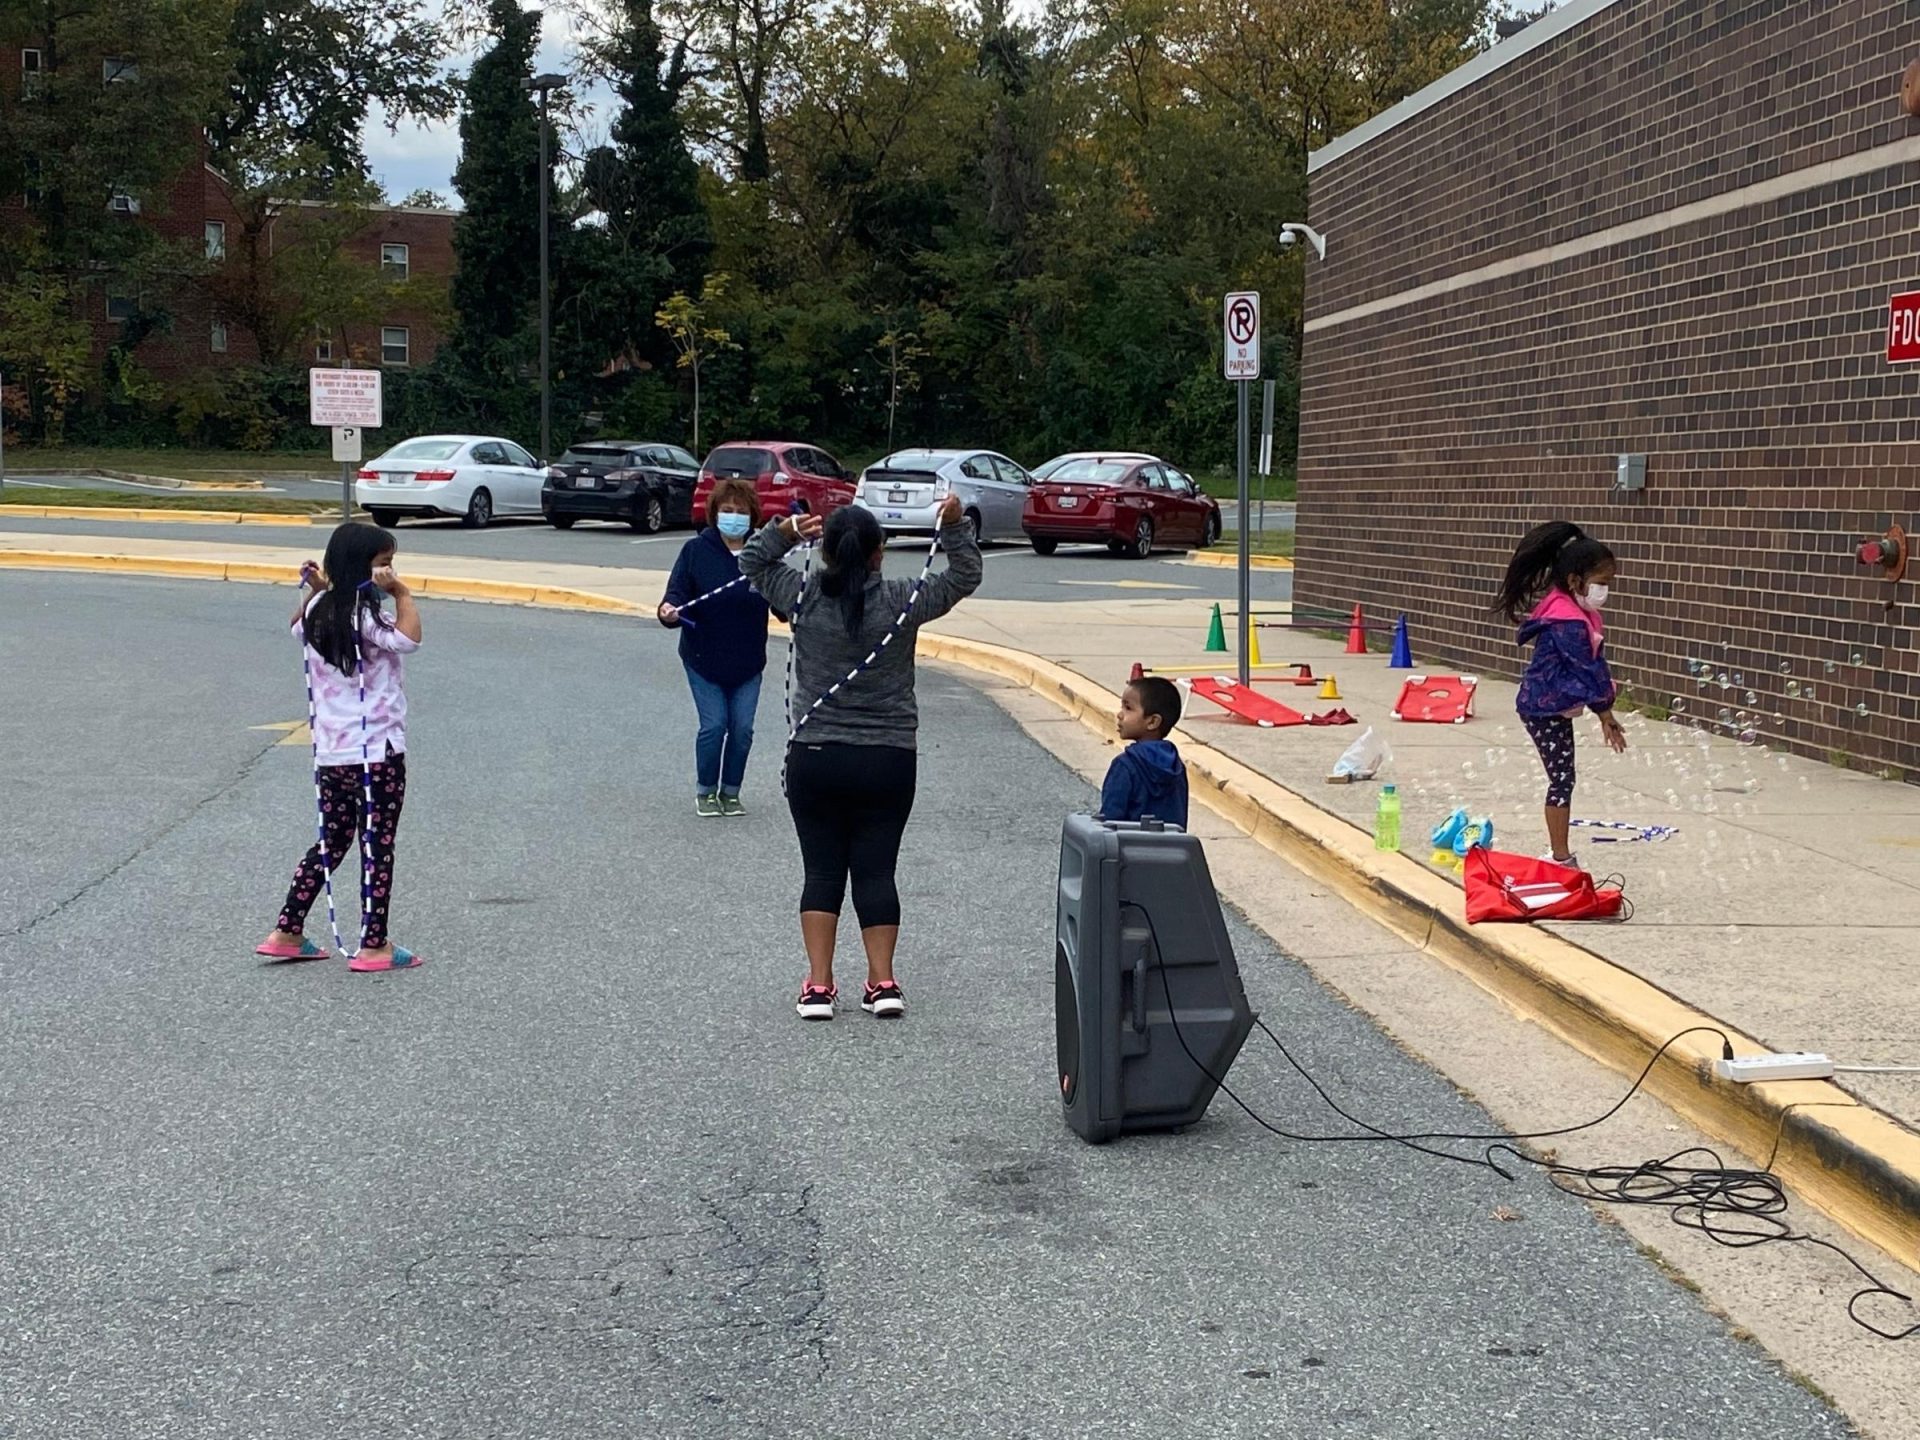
1139, 672
1357, 634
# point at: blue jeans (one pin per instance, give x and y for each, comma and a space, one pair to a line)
726, 732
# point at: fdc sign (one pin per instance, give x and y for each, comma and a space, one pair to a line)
1903, 327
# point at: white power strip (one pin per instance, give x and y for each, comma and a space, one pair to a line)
1750, 1068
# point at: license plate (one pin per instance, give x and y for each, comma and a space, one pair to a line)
895, 515
584, 482
1069, 502
399, 479
896, 497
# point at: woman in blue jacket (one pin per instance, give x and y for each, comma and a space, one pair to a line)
1563, 575
723, 644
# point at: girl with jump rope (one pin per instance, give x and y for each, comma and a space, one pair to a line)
357, 713
1559, 576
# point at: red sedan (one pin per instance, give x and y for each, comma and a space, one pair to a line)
1133, 504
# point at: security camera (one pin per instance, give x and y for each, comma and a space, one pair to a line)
1287, 237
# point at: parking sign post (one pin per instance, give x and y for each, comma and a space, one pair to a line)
345, 402
1241, 323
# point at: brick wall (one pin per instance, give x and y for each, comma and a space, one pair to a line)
1742, 352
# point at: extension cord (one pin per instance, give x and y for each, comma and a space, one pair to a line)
1795, 1066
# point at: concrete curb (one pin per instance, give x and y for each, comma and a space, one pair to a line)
1223, 561
168, 516
436, 587
164, 482
1853, 1162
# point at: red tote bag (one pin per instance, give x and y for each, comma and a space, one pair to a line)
1518, 887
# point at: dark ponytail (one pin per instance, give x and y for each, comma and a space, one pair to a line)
333, 622
847, 546
1548, 556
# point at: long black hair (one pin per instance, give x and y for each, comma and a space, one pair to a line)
1552, 555
847, 546
333, 621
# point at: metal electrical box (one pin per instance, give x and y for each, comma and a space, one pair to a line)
1630, 473
1148, 1007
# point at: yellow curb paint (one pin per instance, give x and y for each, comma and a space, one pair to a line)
1855, 1163
161, 517
1232, 562
293, 732
1125, 584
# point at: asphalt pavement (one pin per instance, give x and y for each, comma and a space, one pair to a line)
1014, 572
585, 1174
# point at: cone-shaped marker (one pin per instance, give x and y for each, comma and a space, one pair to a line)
1329, 690
1253, 647
1357, 634
1216, 632
1139, 672
1402, 651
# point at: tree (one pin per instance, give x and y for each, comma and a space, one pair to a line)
689, 325
304, 74
495, 285
743, 45
898, 348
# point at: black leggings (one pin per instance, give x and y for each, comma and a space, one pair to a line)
1553, 738
850, 805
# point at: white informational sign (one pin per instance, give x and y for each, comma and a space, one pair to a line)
346, 444
344, 397
1241, 318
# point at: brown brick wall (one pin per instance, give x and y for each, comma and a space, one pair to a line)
1744, 355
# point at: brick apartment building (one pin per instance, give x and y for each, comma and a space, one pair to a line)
197, 212
1666, 229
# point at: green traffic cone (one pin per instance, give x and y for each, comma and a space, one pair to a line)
1216, 632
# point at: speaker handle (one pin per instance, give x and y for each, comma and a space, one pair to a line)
1140, 992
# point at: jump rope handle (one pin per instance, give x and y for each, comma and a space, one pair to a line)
309, 575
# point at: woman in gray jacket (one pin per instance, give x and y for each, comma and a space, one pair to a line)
852, 767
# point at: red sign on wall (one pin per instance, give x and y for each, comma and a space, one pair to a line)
1903, 327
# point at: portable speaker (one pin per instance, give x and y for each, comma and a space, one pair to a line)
1139, 924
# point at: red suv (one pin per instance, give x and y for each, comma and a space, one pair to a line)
790, 478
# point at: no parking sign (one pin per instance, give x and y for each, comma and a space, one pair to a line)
1240, 320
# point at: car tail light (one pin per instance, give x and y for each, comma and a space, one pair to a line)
369, 474
433, 477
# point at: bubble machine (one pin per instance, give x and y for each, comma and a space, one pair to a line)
1148, 1006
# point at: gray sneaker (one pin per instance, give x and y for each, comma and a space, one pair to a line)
730, 806
707, 807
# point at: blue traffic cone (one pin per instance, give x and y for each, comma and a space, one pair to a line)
1402, 651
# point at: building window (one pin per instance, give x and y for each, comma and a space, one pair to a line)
33, 64
121, 203
122, 304
117, 68
395, 345
216, 239
323, 349
393, 261
218, 337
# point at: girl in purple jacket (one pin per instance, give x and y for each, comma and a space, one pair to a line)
1558, 578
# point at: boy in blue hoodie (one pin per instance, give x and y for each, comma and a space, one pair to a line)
1148, 778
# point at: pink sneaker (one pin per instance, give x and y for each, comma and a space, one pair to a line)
816, 1002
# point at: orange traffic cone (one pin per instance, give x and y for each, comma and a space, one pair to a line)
1357, 634
1329, 690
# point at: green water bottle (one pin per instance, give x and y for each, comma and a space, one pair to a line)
1386, 820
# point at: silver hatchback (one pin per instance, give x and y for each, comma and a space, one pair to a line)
905, 491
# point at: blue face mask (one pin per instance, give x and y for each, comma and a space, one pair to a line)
733, 524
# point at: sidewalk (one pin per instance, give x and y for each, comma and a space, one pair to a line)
1787, 905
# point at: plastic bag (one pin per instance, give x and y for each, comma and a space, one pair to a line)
1363, 758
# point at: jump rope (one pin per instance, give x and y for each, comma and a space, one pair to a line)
366, 772
1735, 1207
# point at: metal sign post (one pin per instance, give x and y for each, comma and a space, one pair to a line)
1241, 322
3, 431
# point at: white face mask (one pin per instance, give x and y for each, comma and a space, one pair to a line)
1595, 597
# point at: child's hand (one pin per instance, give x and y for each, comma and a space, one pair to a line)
1615, 737
390, 582
311, 576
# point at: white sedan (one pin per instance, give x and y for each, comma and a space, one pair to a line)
475, 477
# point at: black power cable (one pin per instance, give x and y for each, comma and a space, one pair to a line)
1710, 1198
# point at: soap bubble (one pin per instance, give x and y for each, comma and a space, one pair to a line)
1862, 709
1752, 699
1859, 658
1786, 668
1830, 667
1809, 693
1679, 704
1793, 689
1778, 718
1726, 716
1722, 680
1749, 737
1739, 679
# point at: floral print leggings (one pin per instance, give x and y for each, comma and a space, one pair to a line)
341, 803
1553, 738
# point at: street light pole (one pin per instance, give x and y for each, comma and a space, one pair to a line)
544, 86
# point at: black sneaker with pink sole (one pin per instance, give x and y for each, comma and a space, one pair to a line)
885, 1000
816, 1002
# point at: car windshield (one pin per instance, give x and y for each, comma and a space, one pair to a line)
1088, 472
424, 450
603, 455
740, 460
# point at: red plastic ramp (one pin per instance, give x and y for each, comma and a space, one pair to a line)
1245, 702
1437, 699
